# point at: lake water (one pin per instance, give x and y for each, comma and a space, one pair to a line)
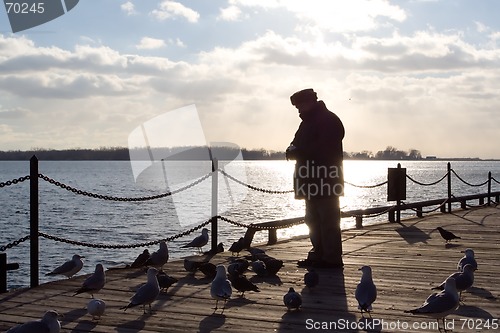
77, 217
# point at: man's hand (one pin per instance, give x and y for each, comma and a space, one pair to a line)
291, 153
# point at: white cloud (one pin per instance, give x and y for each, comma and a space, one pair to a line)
129, 8
150, 43
231, 13
336, 16
171, 9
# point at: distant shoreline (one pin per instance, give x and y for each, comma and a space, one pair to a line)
180, 153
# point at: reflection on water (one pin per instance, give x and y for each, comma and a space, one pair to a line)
84, 218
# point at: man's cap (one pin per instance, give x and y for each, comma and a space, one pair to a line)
306, 95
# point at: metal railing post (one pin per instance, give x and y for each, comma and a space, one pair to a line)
215, 194
34, 221
449, 187
489, 188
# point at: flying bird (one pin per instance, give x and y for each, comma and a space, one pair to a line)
158, 258
468, 258
95, 308
366, 291
311, 278
199, 241
439, 305
292, 299
141, 259
220, 289
447, 235
147, 293
94, 283
48, 324
70, 267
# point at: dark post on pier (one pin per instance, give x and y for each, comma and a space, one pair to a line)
396, 187
34, 221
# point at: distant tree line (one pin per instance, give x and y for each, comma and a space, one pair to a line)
187, 153
390, 153
124, 154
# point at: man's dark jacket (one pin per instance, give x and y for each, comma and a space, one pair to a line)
318, 154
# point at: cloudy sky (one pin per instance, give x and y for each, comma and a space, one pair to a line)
416, 74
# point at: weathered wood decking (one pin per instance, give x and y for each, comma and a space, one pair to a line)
407, 260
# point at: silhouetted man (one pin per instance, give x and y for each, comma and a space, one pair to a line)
318, 177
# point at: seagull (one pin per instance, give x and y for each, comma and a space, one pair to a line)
468, 258
141, 259
147, 293
165, 280
220, 289
242, 284
158, 258
237, 246
94, 283
96, 308
439, 305
292, 299
48, 324
311, 278
199, 241
366, 291
447, 235
463, 280
70, 267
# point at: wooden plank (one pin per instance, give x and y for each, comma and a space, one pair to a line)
407, 260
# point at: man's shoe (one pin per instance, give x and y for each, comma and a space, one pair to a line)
305, 263
325, 264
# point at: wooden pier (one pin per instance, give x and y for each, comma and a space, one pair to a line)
407, 260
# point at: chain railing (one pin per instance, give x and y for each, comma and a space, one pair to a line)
271, 227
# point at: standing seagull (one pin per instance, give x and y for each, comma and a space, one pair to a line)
447, 235
70, 267
158, 258
468, 258
463, 280
48, 324
292, 299
366, 291
199, 241
147, 293
439, 305
94, 283
220, 289
95, 308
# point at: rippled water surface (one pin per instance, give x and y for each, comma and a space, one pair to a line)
84, 218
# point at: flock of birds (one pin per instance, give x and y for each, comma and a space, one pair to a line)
438, 305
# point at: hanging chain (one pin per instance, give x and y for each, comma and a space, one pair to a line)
14, 181
111, 198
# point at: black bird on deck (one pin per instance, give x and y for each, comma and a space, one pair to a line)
242, 284
447, 235
140, 261
237, 246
